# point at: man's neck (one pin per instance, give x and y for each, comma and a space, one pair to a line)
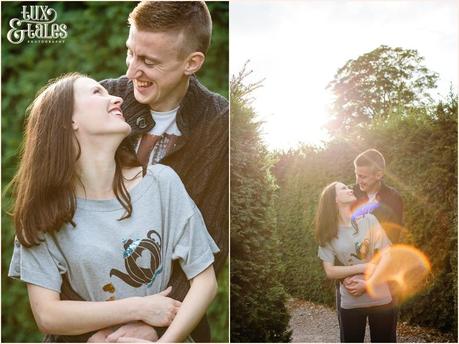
375, 189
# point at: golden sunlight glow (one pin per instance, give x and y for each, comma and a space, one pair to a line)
404, 266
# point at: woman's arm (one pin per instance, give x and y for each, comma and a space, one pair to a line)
339, 272
55, 316
202, 291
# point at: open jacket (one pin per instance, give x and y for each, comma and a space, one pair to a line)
389, 212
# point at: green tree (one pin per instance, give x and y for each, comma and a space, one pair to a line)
378, 83
258, 312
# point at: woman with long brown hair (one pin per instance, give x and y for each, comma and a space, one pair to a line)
347, 245
86, 212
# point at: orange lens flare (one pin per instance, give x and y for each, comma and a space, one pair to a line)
403, 267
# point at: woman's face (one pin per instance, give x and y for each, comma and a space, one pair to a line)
344, 193
95, 112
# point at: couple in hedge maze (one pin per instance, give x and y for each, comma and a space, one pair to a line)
355, 226
118, 181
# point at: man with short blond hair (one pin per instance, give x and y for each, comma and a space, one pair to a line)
370, 188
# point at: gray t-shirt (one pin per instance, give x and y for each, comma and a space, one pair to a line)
352, 247
108, 259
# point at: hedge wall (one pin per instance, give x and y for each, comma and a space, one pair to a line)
258, 312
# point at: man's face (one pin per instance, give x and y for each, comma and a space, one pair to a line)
156, 69
367, 178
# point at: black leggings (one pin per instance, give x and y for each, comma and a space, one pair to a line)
382, 321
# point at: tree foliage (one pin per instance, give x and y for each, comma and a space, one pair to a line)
378, 83
95, 46
258, 312
420, 148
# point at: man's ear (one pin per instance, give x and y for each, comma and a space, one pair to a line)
379, 175
194, 62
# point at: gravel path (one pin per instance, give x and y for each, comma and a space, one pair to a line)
312, 323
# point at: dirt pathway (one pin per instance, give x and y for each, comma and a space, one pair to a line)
312, 323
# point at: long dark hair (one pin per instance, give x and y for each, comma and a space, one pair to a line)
326, 221
44, 185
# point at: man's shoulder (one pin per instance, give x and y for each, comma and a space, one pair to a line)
121, 87
391, 191
367, 219
117, 86
213, 103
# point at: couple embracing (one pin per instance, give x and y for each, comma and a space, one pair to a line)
122, 191
353, 224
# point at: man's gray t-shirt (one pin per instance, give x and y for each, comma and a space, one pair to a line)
108, 259
356, 247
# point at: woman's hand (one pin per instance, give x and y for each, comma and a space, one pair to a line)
158, 310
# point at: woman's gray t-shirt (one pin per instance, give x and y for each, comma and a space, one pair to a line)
356, 247
108, 259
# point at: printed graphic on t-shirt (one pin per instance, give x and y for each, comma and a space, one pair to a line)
361, 249
137, 275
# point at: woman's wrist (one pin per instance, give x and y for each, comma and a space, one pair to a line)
362, 268
135, 309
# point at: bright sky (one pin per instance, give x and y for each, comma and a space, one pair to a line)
297, 47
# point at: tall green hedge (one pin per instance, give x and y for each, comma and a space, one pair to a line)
258, 312
420, 148
95, 45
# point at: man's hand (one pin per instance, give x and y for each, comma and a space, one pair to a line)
347, 282
355, 285
132, 340
101, 335
137, 329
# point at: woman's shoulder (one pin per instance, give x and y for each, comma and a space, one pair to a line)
165, 177
366, 220
162, 172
